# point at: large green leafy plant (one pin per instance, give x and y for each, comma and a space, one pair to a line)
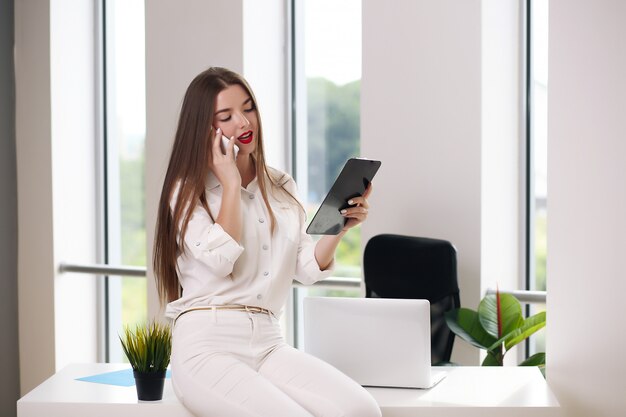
496, 327
148, 348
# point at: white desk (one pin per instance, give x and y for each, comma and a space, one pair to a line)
466, 391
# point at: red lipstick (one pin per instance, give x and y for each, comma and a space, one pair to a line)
246, 137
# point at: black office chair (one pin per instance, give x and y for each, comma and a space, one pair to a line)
398, 266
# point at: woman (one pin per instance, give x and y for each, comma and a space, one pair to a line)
229, 241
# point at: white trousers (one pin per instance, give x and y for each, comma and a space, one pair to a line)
235, 363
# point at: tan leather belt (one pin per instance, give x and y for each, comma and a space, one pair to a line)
232, 307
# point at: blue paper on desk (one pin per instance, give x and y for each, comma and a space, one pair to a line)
122, 378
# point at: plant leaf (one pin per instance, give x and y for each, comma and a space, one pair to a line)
510, 313
531, 325
491, 360
464, 323
497, 343
538, 359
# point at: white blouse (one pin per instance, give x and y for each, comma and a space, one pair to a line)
216, 270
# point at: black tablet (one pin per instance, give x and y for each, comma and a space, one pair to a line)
354, 178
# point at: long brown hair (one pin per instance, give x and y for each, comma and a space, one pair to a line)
188, 170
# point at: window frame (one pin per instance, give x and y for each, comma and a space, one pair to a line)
299, 166
530, 207
109, 231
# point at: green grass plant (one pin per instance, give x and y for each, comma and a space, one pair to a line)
148, 348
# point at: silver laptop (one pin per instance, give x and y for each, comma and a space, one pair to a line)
378, 342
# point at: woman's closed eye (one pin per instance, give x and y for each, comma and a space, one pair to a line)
227, 118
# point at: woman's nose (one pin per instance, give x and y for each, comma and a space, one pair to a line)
243, 121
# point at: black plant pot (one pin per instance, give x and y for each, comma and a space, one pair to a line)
149, 385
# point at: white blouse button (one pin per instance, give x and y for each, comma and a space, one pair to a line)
197, 243
265, 247
259, 296
265, 273
261, 220
251, 196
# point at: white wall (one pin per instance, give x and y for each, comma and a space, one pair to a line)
34, 202
587, 206
501, 174
421, 115
265, 68
502, 186
440, 106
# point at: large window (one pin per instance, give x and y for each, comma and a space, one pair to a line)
124, 136
327, 55
326, 132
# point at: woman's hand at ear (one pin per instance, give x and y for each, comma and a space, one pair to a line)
225, 169
223, 165
357, 213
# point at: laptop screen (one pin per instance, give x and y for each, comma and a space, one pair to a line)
375, 341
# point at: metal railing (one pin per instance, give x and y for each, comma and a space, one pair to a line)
530, 297
139, 271
101, 269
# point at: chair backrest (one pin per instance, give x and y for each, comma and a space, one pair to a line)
398, 266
